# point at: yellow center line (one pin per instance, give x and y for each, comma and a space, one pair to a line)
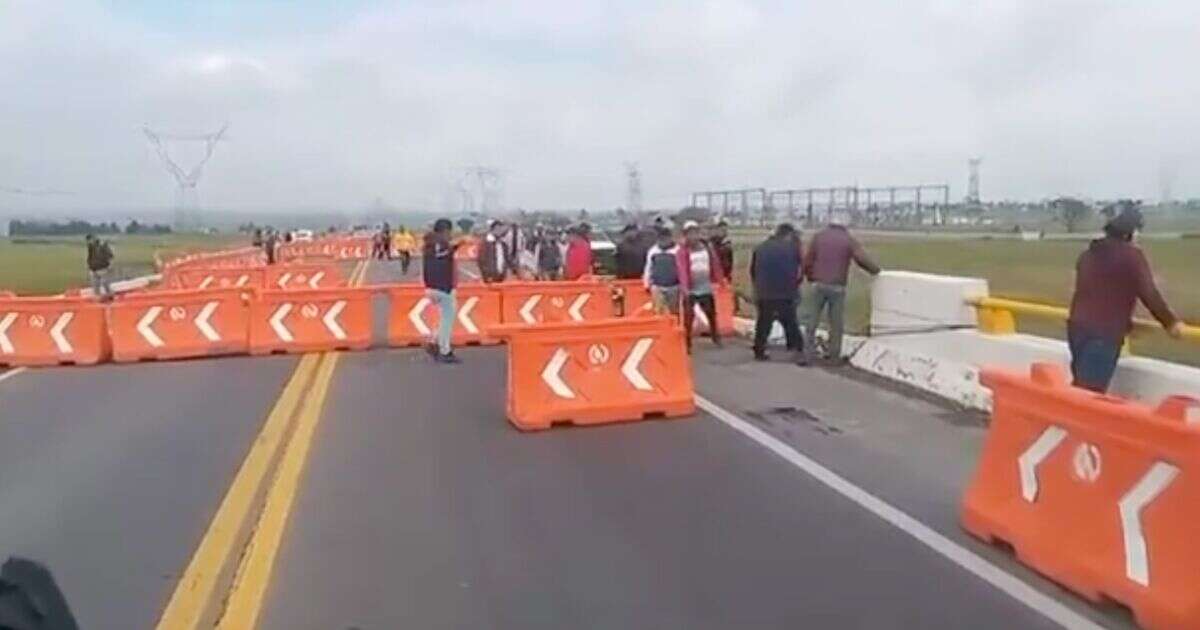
199, 597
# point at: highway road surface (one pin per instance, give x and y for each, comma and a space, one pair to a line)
796, 498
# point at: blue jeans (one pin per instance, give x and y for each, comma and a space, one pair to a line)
447, 307
1093, 359
101, 284
829, 298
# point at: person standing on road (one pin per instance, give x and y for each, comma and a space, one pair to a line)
827, 266
441, 277
495, 257
404, 243
1110, 277
631, 253
99, 264
776, 271
660, 276
721, 245
269, 245
578, 258
549, 256
699, 275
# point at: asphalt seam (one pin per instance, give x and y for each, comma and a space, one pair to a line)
1011, 585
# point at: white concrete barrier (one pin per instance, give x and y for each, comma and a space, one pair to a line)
903, 301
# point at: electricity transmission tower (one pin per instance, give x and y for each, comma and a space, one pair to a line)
481, 188
633, 190
973, 181
186, 203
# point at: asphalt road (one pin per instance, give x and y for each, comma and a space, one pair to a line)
422, 508
109, 475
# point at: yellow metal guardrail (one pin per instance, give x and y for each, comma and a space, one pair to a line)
996, 316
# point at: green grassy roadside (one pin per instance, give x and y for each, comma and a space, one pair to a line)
48, 265
1038, 271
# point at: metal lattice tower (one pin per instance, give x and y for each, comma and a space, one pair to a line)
481, 188
633, 191
186, 202
973, 181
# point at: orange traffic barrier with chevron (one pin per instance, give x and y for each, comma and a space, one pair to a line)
535, 302
414, 318
302, 276
177, 278
180, 324
311, 320
1098, 493
614, 370
52, 331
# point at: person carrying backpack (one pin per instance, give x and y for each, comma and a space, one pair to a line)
99, 263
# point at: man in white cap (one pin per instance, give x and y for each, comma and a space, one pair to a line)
699, 274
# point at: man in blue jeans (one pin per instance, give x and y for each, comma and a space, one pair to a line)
827, 266
440, 279
1111, 276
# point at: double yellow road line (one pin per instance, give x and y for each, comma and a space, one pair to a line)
226, 580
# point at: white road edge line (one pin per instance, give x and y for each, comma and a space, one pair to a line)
952, 551
11, 373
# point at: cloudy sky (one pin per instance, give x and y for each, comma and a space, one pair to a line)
332, 104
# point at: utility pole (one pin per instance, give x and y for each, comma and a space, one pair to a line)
186, 202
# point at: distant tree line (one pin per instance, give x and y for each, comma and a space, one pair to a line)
79, 228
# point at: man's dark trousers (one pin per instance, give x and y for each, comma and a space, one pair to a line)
782, 311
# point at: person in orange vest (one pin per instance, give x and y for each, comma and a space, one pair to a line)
1111, 276
578, 259
700, 273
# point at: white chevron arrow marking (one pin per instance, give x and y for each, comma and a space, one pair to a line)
416, 316
242, 280
203, 324
574, 311
276, 321
56, 333
315, 280
630, 368
6, 345
205, 282
283, 280
331, 322
1137, 562
464, 315
526, 311
552, 374
1028, 462
143, 327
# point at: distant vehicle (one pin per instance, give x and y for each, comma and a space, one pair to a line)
302, 236
604, 256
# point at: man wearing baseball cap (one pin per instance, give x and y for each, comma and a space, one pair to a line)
699, 273
1111, 276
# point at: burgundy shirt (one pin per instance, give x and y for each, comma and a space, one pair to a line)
829, 255
1110, 276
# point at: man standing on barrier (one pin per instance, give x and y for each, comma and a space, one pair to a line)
775, 269
99, 264
440, 278
827, 265
699, 274
661, 274
1110, 277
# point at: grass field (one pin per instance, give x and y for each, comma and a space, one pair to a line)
48, 265
1038, 271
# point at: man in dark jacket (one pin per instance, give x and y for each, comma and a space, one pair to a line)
440, 280
1110, 277
827, 266
495, 254
99, 262
631, 253
775, 268
719, 240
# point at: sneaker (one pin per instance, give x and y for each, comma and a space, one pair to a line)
761, 356
431, 349
718, 343
801, 360
448, 358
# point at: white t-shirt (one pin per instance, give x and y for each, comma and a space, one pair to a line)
701, 264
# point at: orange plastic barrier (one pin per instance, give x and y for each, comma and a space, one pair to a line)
241, 257
634, 297
51, 331
414, 318
534, 302
468, 250
597, 372
179, 324
351, 248
303, 276
187, 277
311, 320
1099, 494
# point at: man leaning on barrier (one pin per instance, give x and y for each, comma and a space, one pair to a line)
1110, 277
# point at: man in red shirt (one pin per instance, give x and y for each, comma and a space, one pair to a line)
578, 262
827, 266
1110, 277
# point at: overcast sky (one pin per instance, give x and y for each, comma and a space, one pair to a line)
333, 104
